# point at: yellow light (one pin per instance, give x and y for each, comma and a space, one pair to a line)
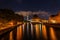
52, 34
19, 22
19, 32
35, 20
11, 23
37, 30
44, 32
53, 21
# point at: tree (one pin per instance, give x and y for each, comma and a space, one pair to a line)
8, 15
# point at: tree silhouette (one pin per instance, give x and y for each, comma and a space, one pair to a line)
7, 14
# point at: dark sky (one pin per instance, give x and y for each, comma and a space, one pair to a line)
33, 5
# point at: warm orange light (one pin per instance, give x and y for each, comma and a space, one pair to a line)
11, 35
53, 21
37, 30
52, 34
19, 32
35, 20
45, 21
19, 22
10, 24
57, 18
44, 31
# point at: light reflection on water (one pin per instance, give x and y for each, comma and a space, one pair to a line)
11, 38
52, 34
44, 32
20, 31
37, 30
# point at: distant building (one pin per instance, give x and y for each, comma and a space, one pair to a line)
44, 21
55, 18
36, 19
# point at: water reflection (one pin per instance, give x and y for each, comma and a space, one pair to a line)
37, 30
52, 34
23, 29
11, 37
19, 32
44, 32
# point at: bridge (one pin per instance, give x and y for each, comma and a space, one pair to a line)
31, 31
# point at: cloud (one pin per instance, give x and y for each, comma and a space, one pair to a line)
25, 13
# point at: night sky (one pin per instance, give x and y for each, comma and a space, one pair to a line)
33, 5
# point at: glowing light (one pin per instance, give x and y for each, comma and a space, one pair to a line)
19, 32
45, 21
52, 34
19, 22
53, 21
35, 20
10, 24
11, 37
44, 31
31, 29
28, 29
23, 27
37, 30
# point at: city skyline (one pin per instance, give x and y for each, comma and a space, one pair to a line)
41, 14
